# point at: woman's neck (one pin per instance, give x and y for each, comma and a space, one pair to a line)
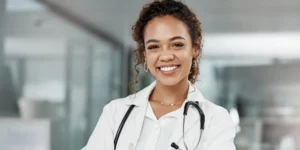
175, 94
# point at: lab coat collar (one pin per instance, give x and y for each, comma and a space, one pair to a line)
141, 98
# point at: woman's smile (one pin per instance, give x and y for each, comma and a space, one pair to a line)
168, 69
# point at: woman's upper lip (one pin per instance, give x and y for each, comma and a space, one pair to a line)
170, 65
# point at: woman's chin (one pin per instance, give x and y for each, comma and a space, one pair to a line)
171, 81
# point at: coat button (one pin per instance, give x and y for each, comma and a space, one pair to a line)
131, 146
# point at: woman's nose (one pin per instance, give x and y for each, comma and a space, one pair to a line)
166, 57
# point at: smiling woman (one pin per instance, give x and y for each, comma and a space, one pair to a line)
176, 24
171, 113
169, 52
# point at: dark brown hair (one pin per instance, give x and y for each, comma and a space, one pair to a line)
173, 8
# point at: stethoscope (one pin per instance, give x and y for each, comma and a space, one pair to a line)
185, 111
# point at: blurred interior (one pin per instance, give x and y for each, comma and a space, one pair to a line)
61, 61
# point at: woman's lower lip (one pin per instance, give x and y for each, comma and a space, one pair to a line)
168, 72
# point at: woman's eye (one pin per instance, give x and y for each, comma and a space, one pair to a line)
152, 47
178, 44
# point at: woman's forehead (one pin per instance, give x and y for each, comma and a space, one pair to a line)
164, 28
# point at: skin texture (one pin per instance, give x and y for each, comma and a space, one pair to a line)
168, 43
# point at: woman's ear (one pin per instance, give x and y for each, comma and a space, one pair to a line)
196, 52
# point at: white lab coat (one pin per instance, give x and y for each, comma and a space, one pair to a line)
218, 134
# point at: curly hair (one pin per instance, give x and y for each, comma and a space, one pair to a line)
160, 8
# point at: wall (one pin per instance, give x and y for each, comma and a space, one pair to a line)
265, 87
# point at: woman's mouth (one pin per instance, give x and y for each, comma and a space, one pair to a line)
168, 70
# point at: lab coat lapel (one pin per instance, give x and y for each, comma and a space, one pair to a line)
138, 120
139, 99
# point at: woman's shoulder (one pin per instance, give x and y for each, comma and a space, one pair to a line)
132, 99
209, 107
119, 104
213, 108
217, 114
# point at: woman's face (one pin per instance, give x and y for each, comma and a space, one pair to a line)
168, 50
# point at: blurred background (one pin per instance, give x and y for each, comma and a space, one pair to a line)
61, 61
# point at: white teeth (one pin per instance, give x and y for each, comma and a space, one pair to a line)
168, 68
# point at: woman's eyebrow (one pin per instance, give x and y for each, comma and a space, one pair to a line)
176, 37
171, 39
152, 40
